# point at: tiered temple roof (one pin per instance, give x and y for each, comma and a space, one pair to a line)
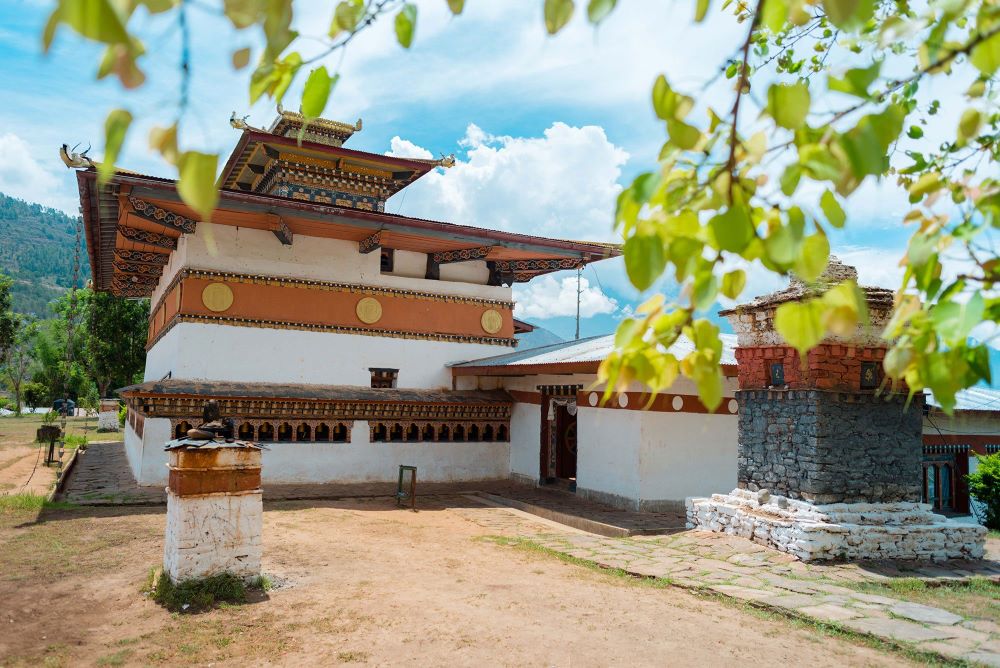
297, 178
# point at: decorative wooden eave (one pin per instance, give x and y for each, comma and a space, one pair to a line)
115, 230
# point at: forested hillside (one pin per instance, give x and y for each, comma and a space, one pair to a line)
36, 250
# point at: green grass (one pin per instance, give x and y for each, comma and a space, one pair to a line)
28, 502
199, 594
975, 597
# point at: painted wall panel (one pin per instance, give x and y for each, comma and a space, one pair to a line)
525, 430
686, 454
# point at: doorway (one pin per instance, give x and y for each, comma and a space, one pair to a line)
565, 426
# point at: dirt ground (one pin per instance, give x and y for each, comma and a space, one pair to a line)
363, 582
22, 467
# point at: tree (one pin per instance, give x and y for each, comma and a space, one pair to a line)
19, 360
36, 394
8, 319
984, 485
115, 338
841, 99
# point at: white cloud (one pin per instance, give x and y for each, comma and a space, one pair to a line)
403, 148
23, 176
549, 297
562, 184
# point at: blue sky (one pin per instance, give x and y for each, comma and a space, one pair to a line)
545, 130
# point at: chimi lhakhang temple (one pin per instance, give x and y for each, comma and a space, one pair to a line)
351, 341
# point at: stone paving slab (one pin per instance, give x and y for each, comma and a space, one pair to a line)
764, 578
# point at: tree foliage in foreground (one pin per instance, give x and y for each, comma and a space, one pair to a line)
840, 81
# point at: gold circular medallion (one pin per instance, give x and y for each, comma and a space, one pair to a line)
217, 297
491, 321
369, 310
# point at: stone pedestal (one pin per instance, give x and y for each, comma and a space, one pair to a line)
107, 415
214, 512
853, 531
829, 457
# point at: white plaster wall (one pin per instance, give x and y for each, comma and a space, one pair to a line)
152, 469
608, 450
242, 250
250, 354
963, 423
408, 264
133, 452
474, 271
686, 454
210, 535
525, 439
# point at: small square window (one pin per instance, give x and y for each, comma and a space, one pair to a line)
777, 374
386, 260
384, 377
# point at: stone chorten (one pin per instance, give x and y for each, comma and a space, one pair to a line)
829, 460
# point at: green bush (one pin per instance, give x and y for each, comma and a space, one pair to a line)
75, 441
984, 484
122, 415
200, 594
35, 394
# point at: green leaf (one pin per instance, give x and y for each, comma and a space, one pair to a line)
196, 184
241, 58
94, 19
274, 79
598, 10
733, 229
849, 14
856, 81
832, 210
346, 16
557, 14
775, 15
788, 104
683, 135
733, 283
701, 8
790, 179
705, 289
164, 142
242, 13
644, 258
406, 24
316, 92
843, 307
116, 126
954, 321
915, 132
968, 125
668, 104
813, 256
780, 246
456, 6
819, 163
986, 55
867, 144
800, 324
710, 388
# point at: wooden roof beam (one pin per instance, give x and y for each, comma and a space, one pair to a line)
370, 243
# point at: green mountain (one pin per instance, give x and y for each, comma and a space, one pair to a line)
36, 250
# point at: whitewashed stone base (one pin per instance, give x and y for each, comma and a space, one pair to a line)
107, 421
853, 531
212, 534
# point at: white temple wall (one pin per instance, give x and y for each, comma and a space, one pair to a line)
525, 440
686, 454
133, 452
248, 251
201, 351
146, 456
608, 454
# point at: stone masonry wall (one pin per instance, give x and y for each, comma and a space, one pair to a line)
829, 447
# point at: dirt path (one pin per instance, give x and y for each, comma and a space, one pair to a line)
19, 464
367, 584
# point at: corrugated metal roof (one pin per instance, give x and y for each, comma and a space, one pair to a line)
592, 349
972, 399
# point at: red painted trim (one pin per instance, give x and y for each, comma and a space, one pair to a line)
526, 397
977, 442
